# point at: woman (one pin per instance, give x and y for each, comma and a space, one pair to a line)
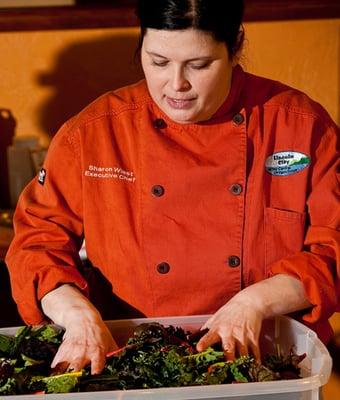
202, 189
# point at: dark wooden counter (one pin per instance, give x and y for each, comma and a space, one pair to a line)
121, 14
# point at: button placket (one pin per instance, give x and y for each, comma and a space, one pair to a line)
236, 189
231, 173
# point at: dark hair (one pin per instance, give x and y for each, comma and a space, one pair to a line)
221, 18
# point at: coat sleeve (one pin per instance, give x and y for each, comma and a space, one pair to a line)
48, 229
318, 265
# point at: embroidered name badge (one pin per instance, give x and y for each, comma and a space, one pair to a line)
110, 172
42, 176
286, 163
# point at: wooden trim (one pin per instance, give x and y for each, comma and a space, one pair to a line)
266, 10
47, 18
122, 14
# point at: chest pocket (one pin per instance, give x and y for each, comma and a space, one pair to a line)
284, 233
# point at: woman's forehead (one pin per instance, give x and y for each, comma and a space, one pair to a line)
191, 43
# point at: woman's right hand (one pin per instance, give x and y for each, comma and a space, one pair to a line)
87, 339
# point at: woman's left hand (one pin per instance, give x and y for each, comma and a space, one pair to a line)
237, 326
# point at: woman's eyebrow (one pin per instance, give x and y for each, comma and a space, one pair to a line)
152, 53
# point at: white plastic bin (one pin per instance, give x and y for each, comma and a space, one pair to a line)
316, 367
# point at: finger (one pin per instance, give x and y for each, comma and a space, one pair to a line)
255, 350
59, 359
59, 368
241, 349
207, 340
77, 364
228, 350
97, 365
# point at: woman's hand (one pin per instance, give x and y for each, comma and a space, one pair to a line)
87, 339
237, 326
238, 323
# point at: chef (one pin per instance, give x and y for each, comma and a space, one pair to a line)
202, 189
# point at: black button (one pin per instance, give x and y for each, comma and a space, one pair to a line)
159, 123
236, 189
234, 261
157, 190
238, 119
163, 268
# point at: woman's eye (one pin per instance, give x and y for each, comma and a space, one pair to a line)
159, 63
200, 66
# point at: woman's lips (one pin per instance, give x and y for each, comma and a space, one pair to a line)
180, 104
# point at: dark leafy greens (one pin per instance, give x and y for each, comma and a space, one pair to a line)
155, 356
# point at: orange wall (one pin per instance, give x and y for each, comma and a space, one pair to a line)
303, 54
47, 76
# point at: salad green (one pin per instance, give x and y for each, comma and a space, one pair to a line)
154, 356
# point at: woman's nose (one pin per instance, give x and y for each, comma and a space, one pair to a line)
179, 82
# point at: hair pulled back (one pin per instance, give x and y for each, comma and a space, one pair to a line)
221, 18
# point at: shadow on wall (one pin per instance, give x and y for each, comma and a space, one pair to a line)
85, 71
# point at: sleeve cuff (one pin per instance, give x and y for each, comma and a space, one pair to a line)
49, 278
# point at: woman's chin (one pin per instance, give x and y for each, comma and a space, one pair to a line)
182, 116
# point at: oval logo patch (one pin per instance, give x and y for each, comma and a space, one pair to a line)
286, 163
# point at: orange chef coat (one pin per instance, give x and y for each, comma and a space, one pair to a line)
179, 218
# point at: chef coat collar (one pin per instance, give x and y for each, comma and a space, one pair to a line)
231, 104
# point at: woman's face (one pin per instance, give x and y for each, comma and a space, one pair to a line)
188, 73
